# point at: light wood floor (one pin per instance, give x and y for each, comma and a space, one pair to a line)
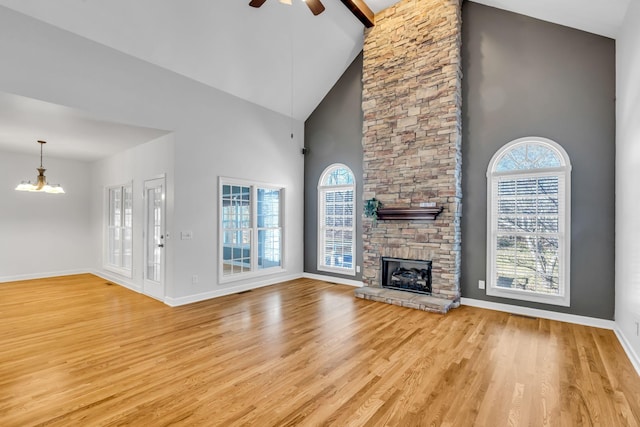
75, 351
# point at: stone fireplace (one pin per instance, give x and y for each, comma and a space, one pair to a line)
412, 146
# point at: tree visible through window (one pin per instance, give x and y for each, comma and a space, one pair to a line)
336, 220
528, 249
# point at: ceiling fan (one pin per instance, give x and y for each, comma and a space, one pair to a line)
314, 5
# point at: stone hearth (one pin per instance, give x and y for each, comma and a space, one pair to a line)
412, 145
407, 299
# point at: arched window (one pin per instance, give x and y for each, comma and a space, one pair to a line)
336, 220
528, 226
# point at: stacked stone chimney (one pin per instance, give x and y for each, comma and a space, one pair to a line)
412, 137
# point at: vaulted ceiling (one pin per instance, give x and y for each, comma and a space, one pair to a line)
280, 57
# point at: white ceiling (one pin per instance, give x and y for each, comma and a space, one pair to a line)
251, 53
70, 133
280, 57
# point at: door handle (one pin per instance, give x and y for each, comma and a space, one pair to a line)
161, 245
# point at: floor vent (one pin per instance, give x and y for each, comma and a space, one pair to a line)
108, 283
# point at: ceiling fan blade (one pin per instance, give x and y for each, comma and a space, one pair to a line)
316, 7
256, 3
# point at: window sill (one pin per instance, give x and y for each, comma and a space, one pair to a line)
250, 275
120, 271
336, 270
520, 295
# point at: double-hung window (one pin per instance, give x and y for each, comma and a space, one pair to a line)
119, 232
336, 220
250, 228
528, 225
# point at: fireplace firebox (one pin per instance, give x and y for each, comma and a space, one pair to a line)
406, 275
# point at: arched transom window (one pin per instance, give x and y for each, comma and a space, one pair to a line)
336, 220
529, 222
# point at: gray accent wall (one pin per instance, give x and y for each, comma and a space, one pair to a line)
333, 134
525, 77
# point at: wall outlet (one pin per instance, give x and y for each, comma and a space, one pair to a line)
427, 204
186, 235
637, 328
194, 279
357, 269
480, 284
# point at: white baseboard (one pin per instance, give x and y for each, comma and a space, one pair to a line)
174, 302
33, 276
545, 314
631, 354
332, 279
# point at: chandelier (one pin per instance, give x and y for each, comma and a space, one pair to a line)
41, 182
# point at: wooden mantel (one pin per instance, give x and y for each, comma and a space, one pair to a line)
409, 213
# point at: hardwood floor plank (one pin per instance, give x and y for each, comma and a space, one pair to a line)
77, 351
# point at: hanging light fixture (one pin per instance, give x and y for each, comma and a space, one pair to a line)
41, 183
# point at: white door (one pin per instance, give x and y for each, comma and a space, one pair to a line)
154, 238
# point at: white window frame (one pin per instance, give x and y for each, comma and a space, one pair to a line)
107, 265
254, 270
564, 226
322, 190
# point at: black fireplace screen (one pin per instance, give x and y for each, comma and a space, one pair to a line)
406, 275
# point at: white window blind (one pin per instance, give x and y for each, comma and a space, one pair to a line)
528, 248
336, 220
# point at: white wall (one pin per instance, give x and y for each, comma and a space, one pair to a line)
628, 178
215, 134
43, 234
146, 161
